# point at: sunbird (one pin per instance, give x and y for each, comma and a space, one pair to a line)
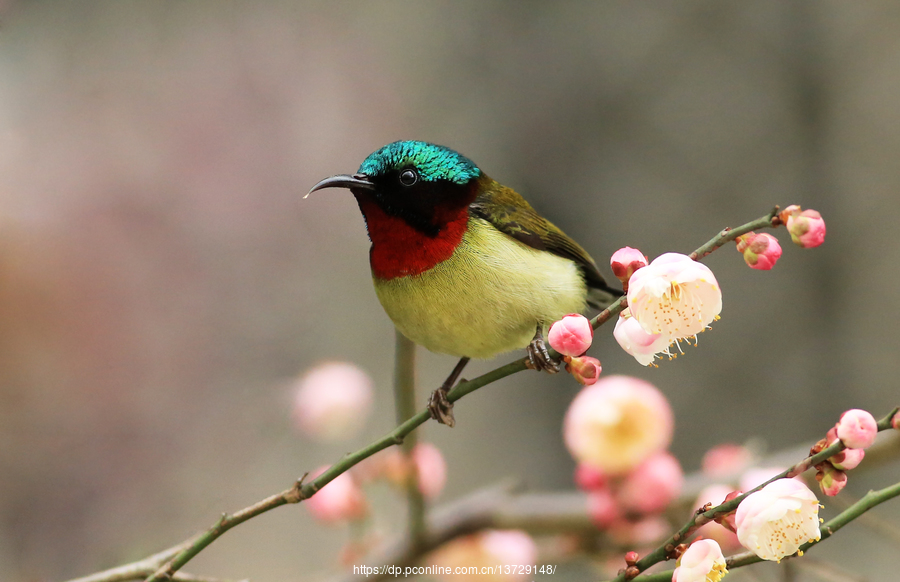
462, 264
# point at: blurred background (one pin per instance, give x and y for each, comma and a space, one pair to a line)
162, 282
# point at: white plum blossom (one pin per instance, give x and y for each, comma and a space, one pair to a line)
779, 518
674, 296
645, 347
701, 562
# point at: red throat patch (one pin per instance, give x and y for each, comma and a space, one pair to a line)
399, 250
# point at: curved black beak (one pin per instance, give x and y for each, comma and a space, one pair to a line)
344, 181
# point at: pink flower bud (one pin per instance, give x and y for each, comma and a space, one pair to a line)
618, 423
652, 485
847, 459
332, 401
625, 262
761, 250
895, 421
857, 429
588, 477
571, 335
806, 227
603, 508
831, 480
584, 369
431, 467
340, 499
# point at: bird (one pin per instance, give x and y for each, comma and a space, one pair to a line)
462, 264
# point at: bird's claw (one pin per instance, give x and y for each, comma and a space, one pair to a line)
539, 358
440, 408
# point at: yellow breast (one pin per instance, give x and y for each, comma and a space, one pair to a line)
486, 298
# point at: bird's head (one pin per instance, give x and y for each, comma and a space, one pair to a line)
424, 184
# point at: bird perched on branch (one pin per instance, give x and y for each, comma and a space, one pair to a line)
462, 264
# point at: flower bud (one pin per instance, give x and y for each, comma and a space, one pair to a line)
340, 499
625, 262
603, 508
332, 401
589, 477
584, 369
857, 429
806, 227
571, 335
651, 486
761, 250
723, 531
831, 480
847, 459
895, 421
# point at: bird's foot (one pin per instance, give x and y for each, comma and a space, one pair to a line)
538, 356
440, 408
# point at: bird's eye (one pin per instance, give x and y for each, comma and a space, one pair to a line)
408, 177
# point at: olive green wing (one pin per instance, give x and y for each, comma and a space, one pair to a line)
511, 214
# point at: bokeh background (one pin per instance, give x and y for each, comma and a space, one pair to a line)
162, 282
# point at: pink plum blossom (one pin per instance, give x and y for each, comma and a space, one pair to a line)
674, 296
761, 250
571, 335
776, 520
341, 499
703, 561
625, 262
617, 424
585, 369
857, 429
652, 485
332, 401
644, 347
806, 227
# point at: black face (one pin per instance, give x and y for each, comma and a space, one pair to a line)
424, 205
